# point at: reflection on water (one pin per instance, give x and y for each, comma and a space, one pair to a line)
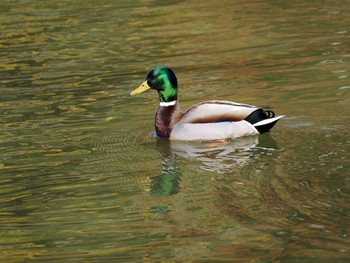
217, 156
81, 180
167, 183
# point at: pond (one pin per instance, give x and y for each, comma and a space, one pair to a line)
84, 179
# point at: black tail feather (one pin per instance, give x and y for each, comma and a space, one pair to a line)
266, 127
260, 115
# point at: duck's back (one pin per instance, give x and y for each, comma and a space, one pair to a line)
217, 111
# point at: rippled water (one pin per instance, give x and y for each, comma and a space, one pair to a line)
82, 179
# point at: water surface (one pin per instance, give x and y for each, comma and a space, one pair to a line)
82, 178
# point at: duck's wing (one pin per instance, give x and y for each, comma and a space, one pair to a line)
213, 120
217, 111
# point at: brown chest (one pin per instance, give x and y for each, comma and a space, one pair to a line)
163, 123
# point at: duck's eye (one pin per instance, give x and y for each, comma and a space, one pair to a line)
152, 77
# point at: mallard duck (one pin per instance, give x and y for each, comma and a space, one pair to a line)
208, 120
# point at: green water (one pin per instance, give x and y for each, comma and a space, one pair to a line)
82, 179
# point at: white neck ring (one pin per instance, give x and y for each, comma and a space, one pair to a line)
167, 104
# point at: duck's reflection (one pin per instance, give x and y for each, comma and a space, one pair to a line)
217, 156
167, 183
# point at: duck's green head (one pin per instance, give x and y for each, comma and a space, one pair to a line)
161, 79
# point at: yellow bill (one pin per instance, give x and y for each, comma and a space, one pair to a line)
143, 87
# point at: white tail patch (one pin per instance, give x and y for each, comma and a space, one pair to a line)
267, 121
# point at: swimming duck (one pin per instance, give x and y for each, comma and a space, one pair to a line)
208, 120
